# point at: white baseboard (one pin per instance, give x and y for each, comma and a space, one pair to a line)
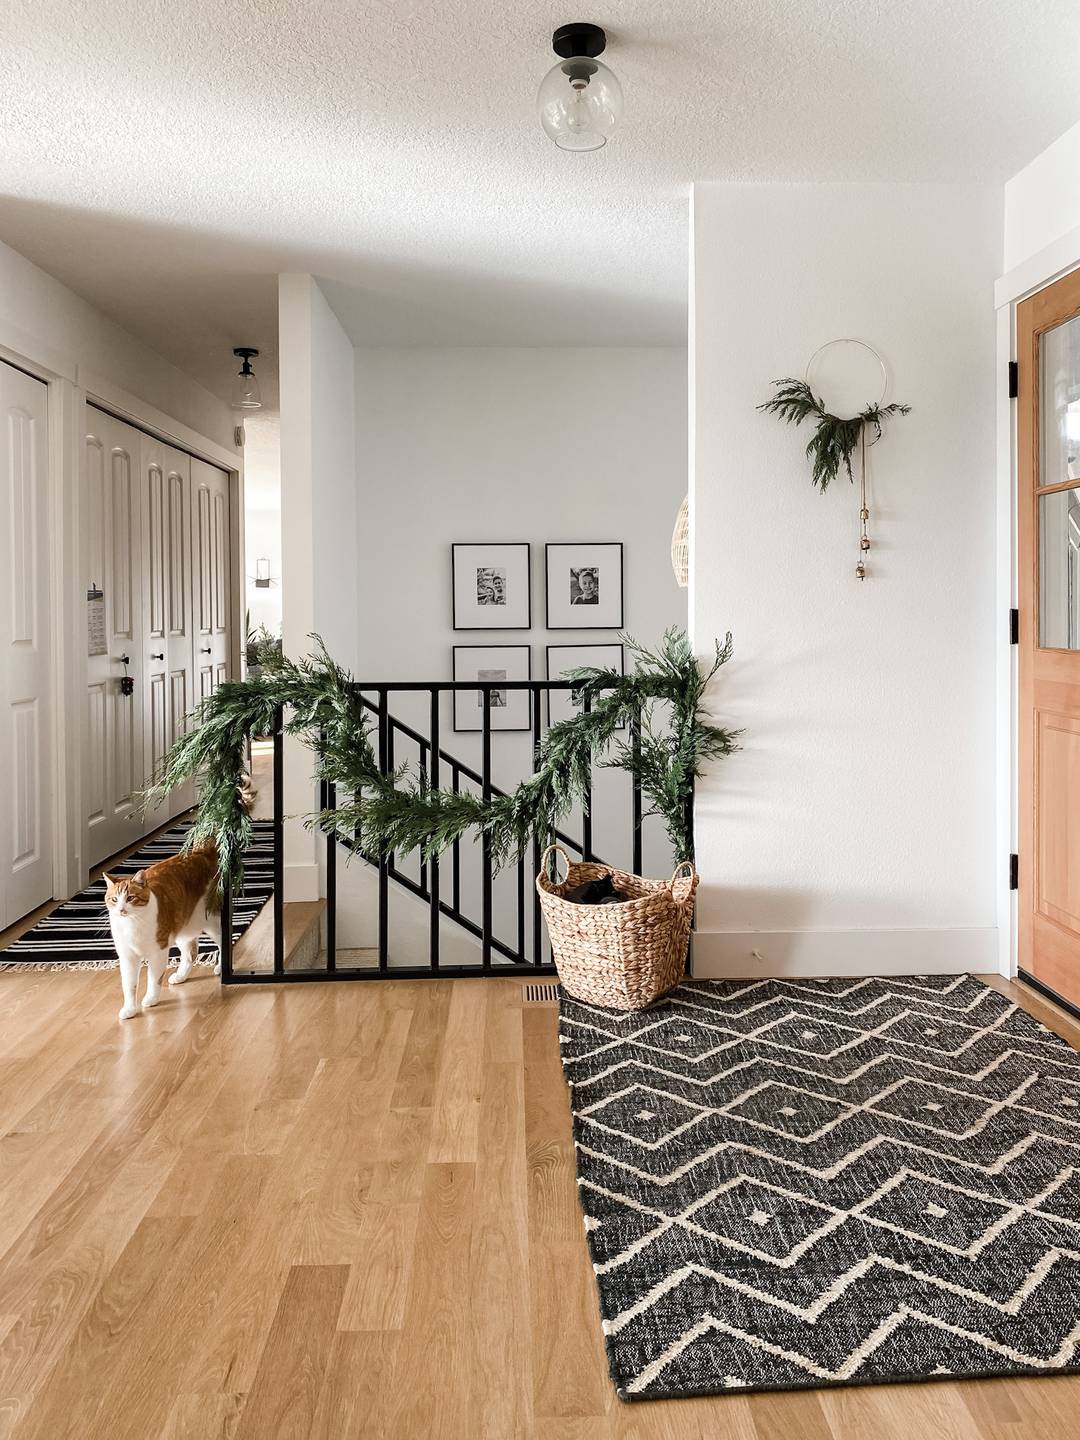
752, 953
301, 882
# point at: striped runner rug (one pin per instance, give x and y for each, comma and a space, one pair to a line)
77, 934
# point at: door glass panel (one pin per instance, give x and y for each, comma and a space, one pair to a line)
1059, 570
1059, 391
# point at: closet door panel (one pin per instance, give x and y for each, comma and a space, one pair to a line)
213, 579
112, 555
26, 793
167, 650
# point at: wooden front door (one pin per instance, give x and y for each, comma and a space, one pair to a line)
1048, 440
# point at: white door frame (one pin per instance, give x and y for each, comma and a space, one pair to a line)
1035, 273
70, 387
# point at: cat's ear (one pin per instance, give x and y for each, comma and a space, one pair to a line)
139, 878
110, 880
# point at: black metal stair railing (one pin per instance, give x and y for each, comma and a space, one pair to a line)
428, 888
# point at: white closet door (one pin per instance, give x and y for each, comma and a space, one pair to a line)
213, 589
26, 770
168, 652
113, 752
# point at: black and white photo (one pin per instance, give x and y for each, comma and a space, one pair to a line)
490, 668
492, 586
584, 585
564, 704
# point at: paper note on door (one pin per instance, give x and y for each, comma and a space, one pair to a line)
95, 617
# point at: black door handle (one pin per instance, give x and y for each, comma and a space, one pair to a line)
158, 657
205, 650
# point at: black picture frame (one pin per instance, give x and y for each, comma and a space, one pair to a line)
556, 674
488, 621
518, 700
574, 620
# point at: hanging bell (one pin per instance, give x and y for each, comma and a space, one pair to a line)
860, 571
864, 543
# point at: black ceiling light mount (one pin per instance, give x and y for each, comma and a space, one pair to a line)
580, 100
580, 38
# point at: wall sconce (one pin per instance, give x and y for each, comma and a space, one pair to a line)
262, 573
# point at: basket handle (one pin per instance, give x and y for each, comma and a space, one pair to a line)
676, 875
554, 849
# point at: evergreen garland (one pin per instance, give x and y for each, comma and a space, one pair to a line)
393, 812
834, 440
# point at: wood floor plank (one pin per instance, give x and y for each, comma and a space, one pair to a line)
501, 1398
203, 1417
456, 1100
554, 1213
436, 1338
293, 1366
356, 1386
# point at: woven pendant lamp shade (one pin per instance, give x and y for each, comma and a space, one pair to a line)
680, 545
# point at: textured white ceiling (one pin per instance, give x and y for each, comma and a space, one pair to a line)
166, 160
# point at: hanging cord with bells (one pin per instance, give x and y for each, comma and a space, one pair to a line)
864, 511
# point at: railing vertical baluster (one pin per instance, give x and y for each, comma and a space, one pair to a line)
456, 850
421, 871
586, 801
485, 772
225, 952
635, 742
537, 927
433, 863
384, 866
279, 842
329, 803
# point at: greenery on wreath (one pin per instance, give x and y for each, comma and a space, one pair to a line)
834, 439
402, 812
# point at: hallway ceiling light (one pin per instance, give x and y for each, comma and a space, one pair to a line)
580, 100
245, 388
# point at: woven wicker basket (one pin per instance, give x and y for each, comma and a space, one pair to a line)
623, 956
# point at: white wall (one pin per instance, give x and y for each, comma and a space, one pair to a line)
318, 521
514, 444
1042, 201
262, 512
39, 313
855, 832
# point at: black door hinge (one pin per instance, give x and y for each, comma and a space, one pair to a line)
1014, 379
1014, 627
1014, 872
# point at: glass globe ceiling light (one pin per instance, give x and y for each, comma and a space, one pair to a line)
580, 100
245, 388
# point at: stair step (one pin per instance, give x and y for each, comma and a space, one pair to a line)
303, 938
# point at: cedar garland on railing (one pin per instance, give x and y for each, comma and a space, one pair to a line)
395, 812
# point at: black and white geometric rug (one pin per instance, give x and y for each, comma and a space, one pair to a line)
827, 1182
76, 933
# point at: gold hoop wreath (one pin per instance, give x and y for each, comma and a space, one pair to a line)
836, 438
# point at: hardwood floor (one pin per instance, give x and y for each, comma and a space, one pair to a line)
340, 1211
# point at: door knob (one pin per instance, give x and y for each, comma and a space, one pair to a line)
205, 650
158, 657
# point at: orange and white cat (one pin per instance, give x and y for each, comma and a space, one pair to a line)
170, 903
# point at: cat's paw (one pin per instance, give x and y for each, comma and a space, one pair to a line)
217, 968
149, 1001
127, 1012
178, 977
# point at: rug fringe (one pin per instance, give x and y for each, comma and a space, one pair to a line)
108, 962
